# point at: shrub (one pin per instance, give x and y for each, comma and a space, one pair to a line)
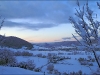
50, 67
37, 69
43, 56
81, 59
90, 64
18, 53
89, 57
27, 65
80, 72
76, 73
49, 54
60, 53
14, 64
6, 57
64, 73
69, 53
50, 59
56, 72
39, 55
24, 53
84, 62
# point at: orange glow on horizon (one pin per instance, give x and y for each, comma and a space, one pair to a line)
37, 40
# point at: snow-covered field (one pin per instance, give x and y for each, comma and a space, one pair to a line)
68, 63
17, 71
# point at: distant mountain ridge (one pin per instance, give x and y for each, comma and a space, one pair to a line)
55, 44
14, 42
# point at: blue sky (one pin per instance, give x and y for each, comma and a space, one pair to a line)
39, 21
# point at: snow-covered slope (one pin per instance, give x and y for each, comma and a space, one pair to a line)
17, 71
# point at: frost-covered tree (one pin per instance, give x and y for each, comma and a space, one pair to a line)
50, 67
7, 57
87, 28
27, 65
2, 21
1, 24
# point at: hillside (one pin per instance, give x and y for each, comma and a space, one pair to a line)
14, 42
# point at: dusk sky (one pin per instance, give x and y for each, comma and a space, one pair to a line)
40, 21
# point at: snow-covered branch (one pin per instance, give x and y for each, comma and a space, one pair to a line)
87, 28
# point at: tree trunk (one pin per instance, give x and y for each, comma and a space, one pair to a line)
96, 58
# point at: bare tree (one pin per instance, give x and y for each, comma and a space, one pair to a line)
87, 28
2, 22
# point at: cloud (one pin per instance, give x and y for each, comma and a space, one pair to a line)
28, 23
66, 38
51, 11
57, 40
46, 13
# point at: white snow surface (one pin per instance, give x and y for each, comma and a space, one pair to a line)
69, 65
17, 71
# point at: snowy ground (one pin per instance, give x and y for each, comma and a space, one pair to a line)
15, 70
66, 65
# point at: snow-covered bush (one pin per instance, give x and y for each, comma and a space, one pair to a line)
50, 67
84, 61
43, 56
90, 64
37, 69
49, 55
64, 73
74, 73
90, 59
76, 52
52, 60
52, 57
18, 53
24, 53
77, 73
70, 53
81, 59
55, 58
60, 53
27, 65
6, 57
39, 55
56, 72
14, 64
